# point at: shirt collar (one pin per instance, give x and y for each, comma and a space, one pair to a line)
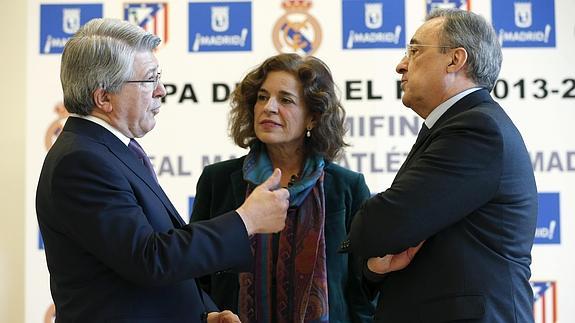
443, 107
104, 124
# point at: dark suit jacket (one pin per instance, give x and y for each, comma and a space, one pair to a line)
468, 189
221, 188
116, 248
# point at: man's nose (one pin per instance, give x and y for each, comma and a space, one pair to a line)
402, 65
160, 90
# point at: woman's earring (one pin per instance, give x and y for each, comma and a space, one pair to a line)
308, 132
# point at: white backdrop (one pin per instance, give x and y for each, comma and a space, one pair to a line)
537, 89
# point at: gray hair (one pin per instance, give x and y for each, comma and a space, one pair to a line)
470, 31
100, 55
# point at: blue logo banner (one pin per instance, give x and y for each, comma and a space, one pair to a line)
523, 23
40, 241
220, 26
548, 229
447, 4
373, 24
59, 22
191, 206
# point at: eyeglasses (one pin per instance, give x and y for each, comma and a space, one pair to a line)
412, 49
156, 80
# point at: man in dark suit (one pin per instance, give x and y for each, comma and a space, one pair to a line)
116, 248
451, 239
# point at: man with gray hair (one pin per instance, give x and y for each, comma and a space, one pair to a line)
117, 249
451, 239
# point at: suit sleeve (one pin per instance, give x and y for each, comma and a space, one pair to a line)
209, 303
361, 301
201, 211
454, 175
99, 210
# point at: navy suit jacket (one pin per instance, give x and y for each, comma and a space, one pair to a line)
467, 188
222, 188
116, 248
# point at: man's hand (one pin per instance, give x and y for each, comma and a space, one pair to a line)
264, 211
389, 263
223, 317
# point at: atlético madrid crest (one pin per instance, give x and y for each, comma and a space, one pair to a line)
151, 16
297, 31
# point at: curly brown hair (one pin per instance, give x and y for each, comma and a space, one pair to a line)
319, 96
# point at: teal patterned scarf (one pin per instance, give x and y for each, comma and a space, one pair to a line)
258, 167
289, 279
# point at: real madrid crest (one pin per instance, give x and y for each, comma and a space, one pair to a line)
297, 31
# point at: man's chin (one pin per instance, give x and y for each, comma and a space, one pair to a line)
405, 102
151, 124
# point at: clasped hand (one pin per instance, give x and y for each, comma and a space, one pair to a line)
389, 263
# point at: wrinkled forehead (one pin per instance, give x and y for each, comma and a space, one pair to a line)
145, 62
428, 32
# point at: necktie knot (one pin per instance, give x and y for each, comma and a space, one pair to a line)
137, 149
422, 132
141, 155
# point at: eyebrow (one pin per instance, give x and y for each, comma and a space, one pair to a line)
414, 41
281, 92
152, 70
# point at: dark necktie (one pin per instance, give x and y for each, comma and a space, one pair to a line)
141, 154
422, 133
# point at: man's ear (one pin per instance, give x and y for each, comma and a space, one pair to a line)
102, 100
458, 60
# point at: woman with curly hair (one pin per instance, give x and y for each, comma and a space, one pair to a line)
287, 113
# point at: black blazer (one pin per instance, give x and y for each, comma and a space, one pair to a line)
116, 248
221, 188
468, 189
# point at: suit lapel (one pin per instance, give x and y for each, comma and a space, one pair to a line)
327, 178
327, 187
420, 140
123, 153
127, 157
239, 186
